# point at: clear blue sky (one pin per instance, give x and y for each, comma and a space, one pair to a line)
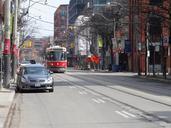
47, 14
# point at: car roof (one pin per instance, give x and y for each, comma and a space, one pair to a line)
32, 65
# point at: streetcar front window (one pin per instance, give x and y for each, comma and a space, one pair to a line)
56, 55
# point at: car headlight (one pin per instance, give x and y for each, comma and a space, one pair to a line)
23, 80
50, 79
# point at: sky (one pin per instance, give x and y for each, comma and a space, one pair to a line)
45, 13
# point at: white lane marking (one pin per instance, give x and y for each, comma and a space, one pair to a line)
96, 101
72, 87
129, 114
163, 117
102, 101
122, 114
82, 92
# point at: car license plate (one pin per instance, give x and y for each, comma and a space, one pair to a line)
37, 85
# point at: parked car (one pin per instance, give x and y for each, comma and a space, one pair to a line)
34, 77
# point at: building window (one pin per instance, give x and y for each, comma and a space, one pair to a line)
63, 13
155, 29
156, 2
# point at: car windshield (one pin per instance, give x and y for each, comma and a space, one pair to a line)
25, 62
35, 70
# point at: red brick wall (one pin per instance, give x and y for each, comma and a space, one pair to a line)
162, 11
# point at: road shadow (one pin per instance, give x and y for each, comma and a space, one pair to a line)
132, 82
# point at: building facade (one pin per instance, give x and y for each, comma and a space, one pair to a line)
61, 25
34, 48
76, 8
151, 49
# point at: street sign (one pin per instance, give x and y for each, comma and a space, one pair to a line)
165, 41
157, 48
148, 53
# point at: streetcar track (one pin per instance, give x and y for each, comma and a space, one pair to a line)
117, 81
146, 89
98, 83
145, 114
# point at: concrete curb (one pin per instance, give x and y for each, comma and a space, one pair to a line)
155, 79
6, 106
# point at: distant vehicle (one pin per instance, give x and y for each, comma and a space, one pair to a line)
28, 62
25, 62
56, 59
33, 77
32, 62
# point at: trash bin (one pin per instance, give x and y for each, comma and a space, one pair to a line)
115, 68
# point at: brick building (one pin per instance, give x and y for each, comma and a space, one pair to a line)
150, 19
1, 25
61, 24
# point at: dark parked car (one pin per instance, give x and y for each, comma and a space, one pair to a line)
33, 77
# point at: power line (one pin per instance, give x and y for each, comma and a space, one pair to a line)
41, 20
43, 29
40, 11
45, 4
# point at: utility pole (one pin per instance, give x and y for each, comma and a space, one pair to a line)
14, 41
1, 55
147, 50
6, 78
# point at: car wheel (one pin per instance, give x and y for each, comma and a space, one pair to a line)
21, 90
51, 90
17, 89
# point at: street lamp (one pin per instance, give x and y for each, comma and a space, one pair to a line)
116, 7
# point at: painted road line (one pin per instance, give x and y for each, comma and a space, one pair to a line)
82, 92
129, 114
122, 114
102, 101
72, 87
96, 101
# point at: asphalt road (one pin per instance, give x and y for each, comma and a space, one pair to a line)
95, 100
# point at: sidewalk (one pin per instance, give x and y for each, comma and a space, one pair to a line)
6, 99
158, 78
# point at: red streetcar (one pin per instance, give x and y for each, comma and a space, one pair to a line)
56, 58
